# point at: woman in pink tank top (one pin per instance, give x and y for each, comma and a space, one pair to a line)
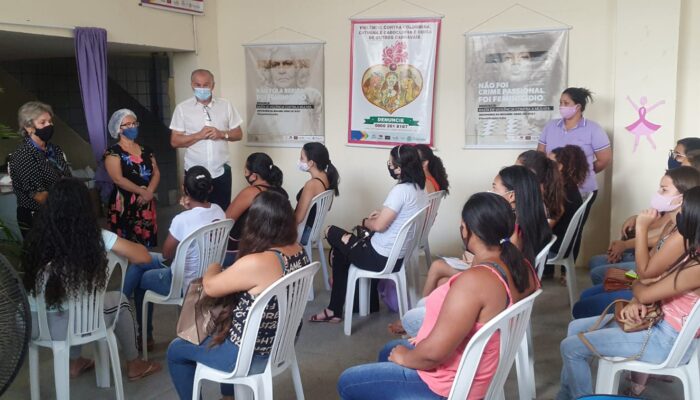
677, 291
425, 367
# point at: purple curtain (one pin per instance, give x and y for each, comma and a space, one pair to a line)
91, 59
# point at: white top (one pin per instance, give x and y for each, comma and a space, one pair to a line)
191, 116
187, 222
406, 199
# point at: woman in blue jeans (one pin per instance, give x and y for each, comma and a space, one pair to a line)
268, 251
677, 291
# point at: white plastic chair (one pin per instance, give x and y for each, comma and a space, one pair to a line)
210, 241
323, 202
291, 292
512, 323
86, 324
525, 360
408, 237
608, 379
574, 229
414, 291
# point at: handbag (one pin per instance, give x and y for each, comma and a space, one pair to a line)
616, 279
198, 311
653, 316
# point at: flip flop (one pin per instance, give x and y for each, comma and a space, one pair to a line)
152, 369
326, 318
86, 366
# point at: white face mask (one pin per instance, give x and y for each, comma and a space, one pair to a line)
304, 167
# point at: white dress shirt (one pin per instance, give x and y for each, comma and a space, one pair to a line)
191, 116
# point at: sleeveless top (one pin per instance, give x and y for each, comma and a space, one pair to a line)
433, 181
234, 236
268, 324
677, 309
440, 379
312, 214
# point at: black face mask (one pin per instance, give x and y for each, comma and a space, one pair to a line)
44, 133
673, 163
392, 172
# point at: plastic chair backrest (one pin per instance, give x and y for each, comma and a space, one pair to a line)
574, 229
323, 202
407, 237
541, 259
511, 323
291, 292
684, 339
434, 200
210, 243
85, 312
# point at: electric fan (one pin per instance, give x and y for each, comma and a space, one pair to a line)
15, 324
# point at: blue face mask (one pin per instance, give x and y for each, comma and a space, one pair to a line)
131, 133
202, 93
673, 163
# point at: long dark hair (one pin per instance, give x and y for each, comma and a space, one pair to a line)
549, 177
198, 183
67, 242
580, 96
688, 226
574, 164
270, 223
435, 166
318, 153
529, 209
684, 178
407, 158
490, 218
261, 164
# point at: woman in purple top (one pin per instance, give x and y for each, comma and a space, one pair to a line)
574, 129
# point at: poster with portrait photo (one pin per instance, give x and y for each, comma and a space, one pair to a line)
392, 81
284, 94
514, 81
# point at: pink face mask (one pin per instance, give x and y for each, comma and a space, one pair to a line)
567, 112
663, 203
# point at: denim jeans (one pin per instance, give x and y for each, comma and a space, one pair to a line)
594, 300
384, 380
609, 341
183, 357
599, 264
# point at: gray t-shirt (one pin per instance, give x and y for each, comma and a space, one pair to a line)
405, 199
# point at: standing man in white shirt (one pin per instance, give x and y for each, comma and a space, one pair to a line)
204, 125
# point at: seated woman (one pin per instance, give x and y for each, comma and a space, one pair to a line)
434, 170
261, 175
551, 183
68, 244
268, 251
404, 200
499, 277
314, 159
573, 166
621, 253
155, 275
678, 291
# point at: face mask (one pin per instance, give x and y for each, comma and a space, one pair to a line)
44, 133
304, 167
392, 172
567, 112
202, 93
247, 179
131, 133
673, 163
663, 203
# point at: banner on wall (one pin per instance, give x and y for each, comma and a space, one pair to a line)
284, 93
514, 81
392, 82
195, 7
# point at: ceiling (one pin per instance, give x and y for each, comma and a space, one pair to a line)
22, 46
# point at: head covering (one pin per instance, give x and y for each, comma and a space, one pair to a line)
116, 120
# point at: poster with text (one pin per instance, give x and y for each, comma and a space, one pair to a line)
195, 7
284, 94
392, 81
514, 81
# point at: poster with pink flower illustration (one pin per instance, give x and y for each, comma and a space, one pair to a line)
392, 81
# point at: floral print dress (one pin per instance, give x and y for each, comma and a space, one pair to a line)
127, 218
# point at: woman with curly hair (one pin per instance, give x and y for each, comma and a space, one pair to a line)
551, 183
67, 248
434, 170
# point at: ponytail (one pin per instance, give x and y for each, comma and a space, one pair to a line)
333, 178
519, 271
261, 164
318, 153
435, 166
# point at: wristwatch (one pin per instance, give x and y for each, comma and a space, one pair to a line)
226, 135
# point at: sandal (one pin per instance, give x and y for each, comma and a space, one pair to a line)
396, 328
86, 365
153, 367
326, 318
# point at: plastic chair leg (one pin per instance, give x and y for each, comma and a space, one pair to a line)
607, 379
61, 370
102, 364
309, 252
144, 322
526, 377
34, 386
349, 297
428, 257
324, 265
116, 364
296, 378
402, 292
197, 384
571, 283
363, 296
